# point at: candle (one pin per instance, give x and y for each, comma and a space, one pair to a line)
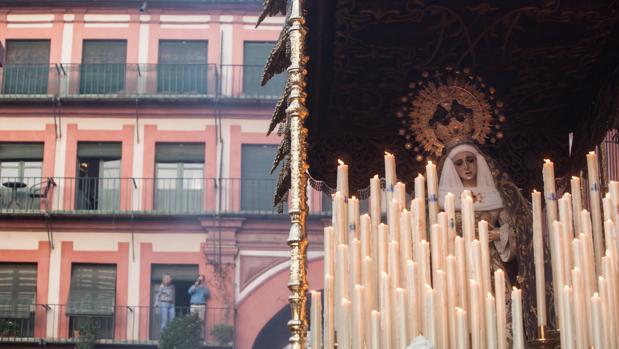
596, 311
424, 263
375, 343
501, 315
370, 293
344, 339
613, 188
444, 232
342, 273
393, 220
429, 320
420, 190
342, 178
566, 236
450, 210
468, 227
550, 193
375, 209
461, 274
432, 191
605, 306
576, 204
329, 320
401, 324
594, 200
476, 334
355, 262
412, 285
340, 218
463, 333
357, 318
383, 246
316, 320
435, 246
399, 194
485, 257
517, 329
556, 251
329, 250
353, 218
538, 255
390, 176
385, 311
420, 196
418, 226
406, 252
580, 313
366, 236
394, 263
568, 312
609, 237
452, 299
491, 339
565, 214
442, 320
606, 207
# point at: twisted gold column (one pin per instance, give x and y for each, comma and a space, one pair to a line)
297, 239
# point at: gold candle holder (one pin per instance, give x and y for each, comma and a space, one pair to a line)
545, 339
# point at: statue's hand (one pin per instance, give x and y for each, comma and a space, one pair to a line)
494, 234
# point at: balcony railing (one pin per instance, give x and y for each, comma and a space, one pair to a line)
148, 196
58, 323
117, 80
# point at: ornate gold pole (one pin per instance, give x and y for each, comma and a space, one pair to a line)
297, 239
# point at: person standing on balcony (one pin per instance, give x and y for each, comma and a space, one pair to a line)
165, 300
199, 293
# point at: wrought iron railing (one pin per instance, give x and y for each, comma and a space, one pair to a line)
148, 196
56, 323
117, 80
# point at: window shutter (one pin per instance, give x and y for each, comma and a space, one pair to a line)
93, 290
104, 51
179, 153
256, 182
255, 55
178, 272
95, 150
183, 52
17, 289
27, 52
21, 151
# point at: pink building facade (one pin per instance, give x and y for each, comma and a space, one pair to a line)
133, 144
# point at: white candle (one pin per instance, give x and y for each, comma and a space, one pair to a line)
450, 210
406, 251
598, 329
353, 218
556, 252
442, 320
432, 191
390, 176
605, 306
329, 320
375, 343
399, 194
461, 274
424, 263
580, 313
613, 188
538, 254
316, 319
491, 339
344, 339
476, 339
501, 315
366, 235
429, 319
375, 209
468, 227
342, 178
418, 227
412, 285
358, 318
609, 273
420, 187
370, 293
342, 275
383, 246
452, 299
606, 207
485, 257
463, 333
517, 324
329, 250
401, 324
444, 231
394, 264
594, 200
568, 312
435, 248
385, 311
420, 194
550, 193
393, 220
576, 204
355, 262
340, 215
609, 237
566, 236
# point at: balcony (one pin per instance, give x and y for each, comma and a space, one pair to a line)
142, 196
130, 81
138, 325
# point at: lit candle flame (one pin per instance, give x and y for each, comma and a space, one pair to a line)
546, 160
387, 153
340, 162
575, 177
429, 162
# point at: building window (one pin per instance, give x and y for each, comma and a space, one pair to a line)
182, 67
98, 179
183, 276
92, 299
18, 282
26, 69
255, 55
103, 66
257, 184
20, 174
179, 177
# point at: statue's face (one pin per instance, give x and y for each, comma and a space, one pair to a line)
466, 166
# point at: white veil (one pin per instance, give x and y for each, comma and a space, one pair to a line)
450, 182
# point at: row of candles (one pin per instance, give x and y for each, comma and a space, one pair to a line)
386, 284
